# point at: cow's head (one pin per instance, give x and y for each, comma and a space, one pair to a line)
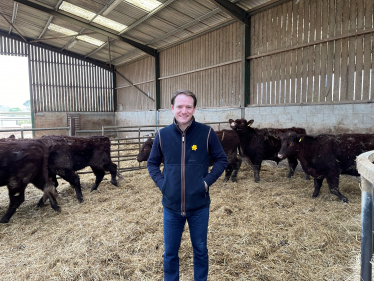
145, 150
240, 124
290, 144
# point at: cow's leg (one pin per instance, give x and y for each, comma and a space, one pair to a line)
235, 171
228, 172
54, 179
16, 198
112, 168
72, 177
99, 177
317, 186
292, 164
333, 182
256, 171
306, 176
50, 193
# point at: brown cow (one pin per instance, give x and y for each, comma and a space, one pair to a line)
261, 144
24, 162
230, 143
94, 152
326, 156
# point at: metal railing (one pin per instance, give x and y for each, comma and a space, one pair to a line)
365, 167
33, 130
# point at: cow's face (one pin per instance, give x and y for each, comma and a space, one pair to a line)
290, 144
145, 150
240, 124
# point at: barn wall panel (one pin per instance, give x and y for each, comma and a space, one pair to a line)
312, 52
209, 66
140, 74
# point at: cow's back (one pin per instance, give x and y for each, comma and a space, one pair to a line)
90, 151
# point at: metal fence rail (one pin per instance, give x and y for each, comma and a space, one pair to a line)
365, 167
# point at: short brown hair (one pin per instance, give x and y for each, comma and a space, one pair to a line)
184, 92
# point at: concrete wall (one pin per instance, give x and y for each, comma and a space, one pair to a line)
316, 119
89, 121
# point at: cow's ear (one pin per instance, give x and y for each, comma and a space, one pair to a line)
230, 121
250, 122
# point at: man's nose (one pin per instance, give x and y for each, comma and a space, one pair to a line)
184, 110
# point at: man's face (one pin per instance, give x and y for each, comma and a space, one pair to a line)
183, 109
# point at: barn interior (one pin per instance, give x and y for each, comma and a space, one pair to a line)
115, 64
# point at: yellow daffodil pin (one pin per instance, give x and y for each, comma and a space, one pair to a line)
194, 147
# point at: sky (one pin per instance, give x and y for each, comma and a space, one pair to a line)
14, 81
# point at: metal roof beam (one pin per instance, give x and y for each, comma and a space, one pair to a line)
14, 27
134, 24
15, 9
50, 19
235, 11
55, 49
52, 12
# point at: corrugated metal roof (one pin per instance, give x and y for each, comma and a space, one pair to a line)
173, 21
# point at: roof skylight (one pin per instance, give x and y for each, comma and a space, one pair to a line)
69, 32
147, 5
83, 13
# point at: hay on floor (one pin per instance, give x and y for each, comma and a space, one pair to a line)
272, 230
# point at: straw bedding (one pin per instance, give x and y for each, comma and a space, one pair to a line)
272, 230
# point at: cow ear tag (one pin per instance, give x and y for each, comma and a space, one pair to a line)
249, 124
300, 140
194, 147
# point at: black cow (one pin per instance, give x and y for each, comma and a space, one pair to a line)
230, 143
23, 162
94, 152
60, 162
261, 144
326, 156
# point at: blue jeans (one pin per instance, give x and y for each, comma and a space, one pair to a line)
173, 228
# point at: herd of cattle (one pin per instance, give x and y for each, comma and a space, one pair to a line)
321, 156
39, 161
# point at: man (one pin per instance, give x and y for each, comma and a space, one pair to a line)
185, 146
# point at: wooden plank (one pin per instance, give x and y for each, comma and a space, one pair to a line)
352, 51
270, 30
367, 53
283, 25
275, 60
311, 60
300, 53
359, 67
330, 51
293, 77
305, 51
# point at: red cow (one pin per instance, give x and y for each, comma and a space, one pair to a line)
326, 156
24, 162
261, 144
